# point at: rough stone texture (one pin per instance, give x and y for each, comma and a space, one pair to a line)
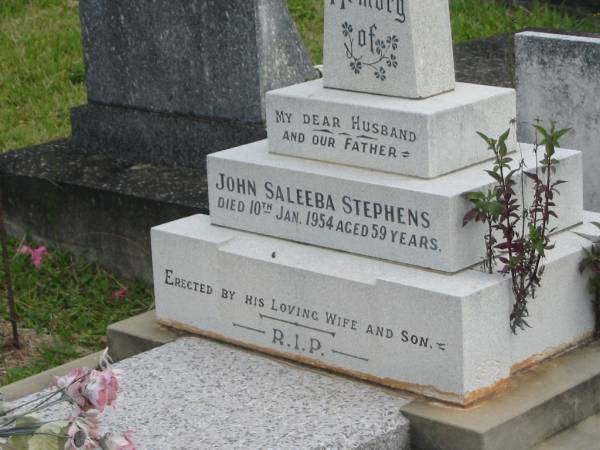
440, 335
211, 58
196, 394
389, 216
558, 79
157, 138
425, 138
488, 61
95, 205
402, 49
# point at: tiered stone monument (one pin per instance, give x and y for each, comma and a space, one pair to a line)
369, 167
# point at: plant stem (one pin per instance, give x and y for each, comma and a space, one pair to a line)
597, 309
490, 247
8, 279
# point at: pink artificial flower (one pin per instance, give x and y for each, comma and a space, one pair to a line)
118, 441
73, 384
101, 389
83, 432
37, 255
121, 293
89, 389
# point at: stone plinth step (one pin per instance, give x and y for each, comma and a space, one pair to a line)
424, 138
389, 216
583, 436
542, 402
195, 394
441, 335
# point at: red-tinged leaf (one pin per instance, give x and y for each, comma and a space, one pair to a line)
533, 176
471, 215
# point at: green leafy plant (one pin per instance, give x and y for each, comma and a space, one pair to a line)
518, 235
591, 263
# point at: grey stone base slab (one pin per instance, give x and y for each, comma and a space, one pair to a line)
557, 80
424, 138
539, 403
98, 207
156, 138
393, 217
196, 394
440, 335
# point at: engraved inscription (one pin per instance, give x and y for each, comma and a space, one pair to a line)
318, 332
364, 218
394, 7
354, 134
381, 52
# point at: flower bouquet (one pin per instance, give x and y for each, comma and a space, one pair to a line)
88, 392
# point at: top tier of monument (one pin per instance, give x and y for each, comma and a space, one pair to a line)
400, 48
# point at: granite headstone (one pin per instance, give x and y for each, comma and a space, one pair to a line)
197, 70
558, 80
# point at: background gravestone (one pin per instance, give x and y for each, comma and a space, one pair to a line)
558, 79
170, 81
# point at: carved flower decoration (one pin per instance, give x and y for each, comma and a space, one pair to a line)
392, 41
392, 61
356, 66
347, 29
379, 46
380, 74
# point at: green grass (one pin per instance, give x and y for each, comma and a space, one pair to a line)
42, 72
474, 19
70, 300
